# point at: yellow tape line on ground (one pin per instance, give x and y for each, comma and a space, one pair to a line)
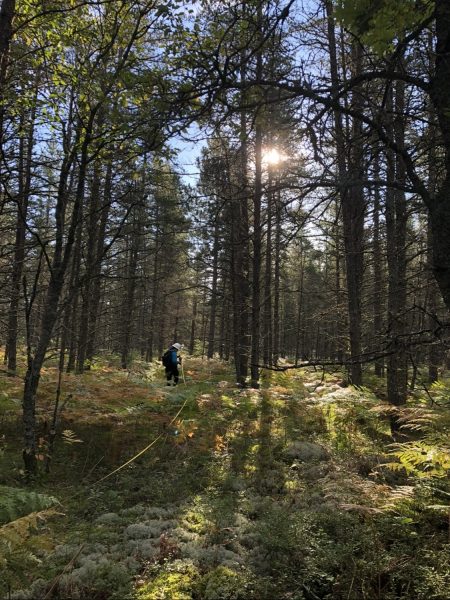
142, 451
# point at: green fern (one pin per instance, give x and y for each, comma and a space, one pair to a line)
16, 503
440, 392
421, 459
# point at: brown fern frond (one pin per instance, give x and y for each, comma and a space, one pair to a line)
400, 493
361, 509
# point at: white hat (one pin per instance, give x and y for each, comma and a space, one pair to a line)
177, 346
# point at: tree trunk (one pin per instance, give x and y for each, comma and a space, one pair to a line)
257, 196
223, 318
154, 309
212, 317
339, 325
75, 299
240, 253
19, 248
193, 326
353, 209
7, 12
128, 302
90, 262
396, 256
299, 346
439, 204
61, 258
352, 201
434, 353
277, 276
267, 326
99, 257
377, 271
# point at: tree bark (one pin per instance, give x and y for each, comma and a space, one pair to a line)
213, 311
396, 220
90, 261
61, 258
353, 209
99, 257
240, 252
267, 327
193, 325
19, 248
7, 12
351, 193
439, 204
257, 197
127, 312
277, 277
378, 292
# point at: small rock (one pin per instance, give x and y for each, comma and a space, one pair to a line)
306, 451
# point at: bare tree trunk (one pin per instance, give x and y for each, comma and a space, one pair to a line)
61, 257
257, 196
19, 248
177, 319
7, 12
155, 300
377, 270
300, 337
129, 297
193, 326
74, 311
277, 277
54, 423
397, 376
223, 318
439, 204
267, 326
339, 328
212, 317
353, 209
434, 354
99, 256
240, 254
352, 202
91, 259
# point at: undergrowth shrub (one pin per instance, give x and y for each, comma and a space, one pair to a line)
355, 425
21, 512
223, 583
17, 502
293, 544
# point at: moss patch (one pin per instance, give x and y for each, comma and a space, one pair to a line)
171, 584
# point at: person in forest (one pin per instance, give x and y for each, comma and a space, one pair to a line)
171, 359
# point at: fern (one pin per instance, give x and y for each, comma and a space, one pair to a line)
417, 419
16, 503
421, 459
398, 495
440, 392
70, 437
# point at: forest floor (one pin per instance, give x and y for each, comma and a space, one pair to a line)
277, 493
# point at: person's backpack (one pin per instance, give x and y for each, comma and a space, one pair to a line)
166, 359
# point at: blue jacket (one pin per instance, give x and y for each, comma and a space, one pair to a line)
173, 357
